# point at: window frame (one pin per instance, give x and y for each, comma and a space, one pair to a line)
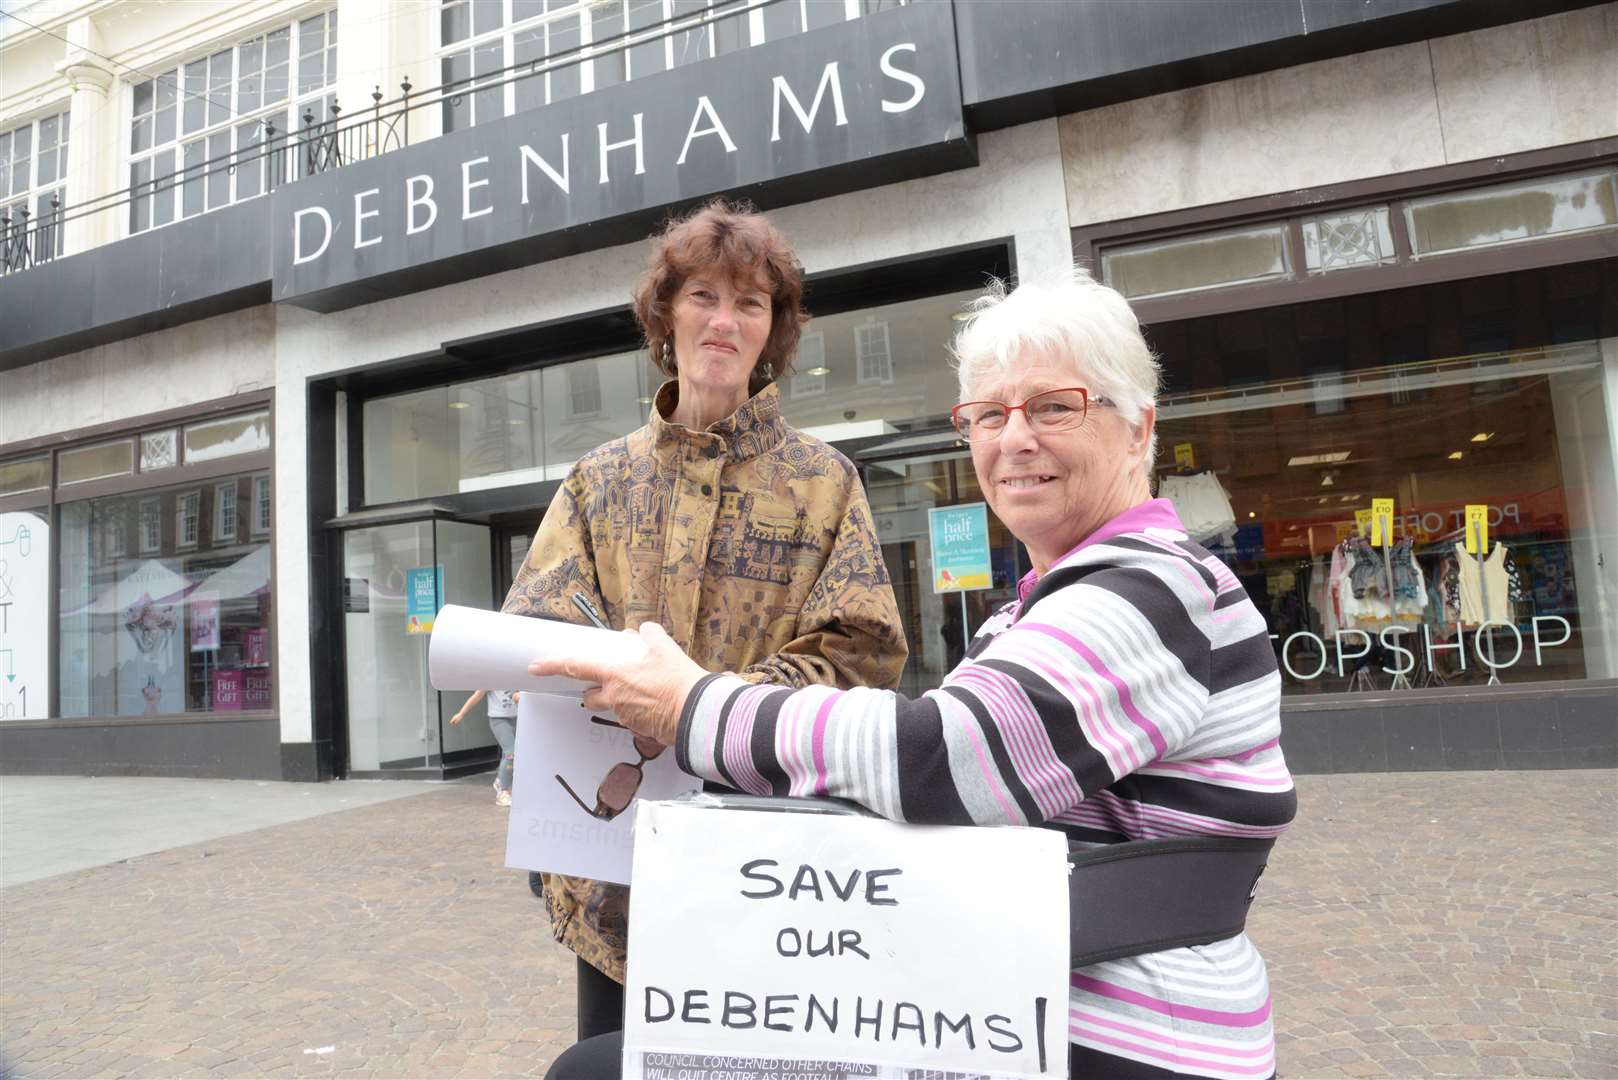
155, 520
263, 506
145, 193
193, 498
31, 196
669, 27
225, 519
1090, 242
884, 377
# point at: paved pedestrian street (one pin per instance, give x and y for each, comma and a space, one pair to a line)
1434, 924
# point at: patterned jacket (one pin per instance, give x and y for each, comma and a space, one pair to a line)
751, 543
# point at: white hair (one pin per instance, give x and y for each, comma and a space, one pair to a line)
1073, 321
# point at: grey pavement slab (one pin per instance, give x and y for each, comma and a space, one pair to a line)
1414, 925
58, 824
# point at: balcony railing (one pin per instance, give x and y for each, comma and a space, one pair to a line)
319, 145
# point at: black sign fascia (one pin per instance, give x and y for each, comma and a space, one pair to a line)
869, 102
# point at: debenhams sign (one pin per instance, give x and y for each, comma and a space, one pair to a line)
868, 102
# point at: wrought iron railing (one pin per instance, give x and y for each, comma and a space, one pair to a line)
323, 143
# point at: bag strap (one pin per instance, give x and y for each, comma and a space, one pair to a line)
1144, 896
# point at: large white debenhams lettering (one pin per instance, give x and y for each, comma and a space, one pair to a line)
707, 135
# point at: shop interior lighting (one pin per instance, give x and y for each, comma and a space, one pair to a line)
1483, 436
516, 421
1321, 459
820, 369
460, 404
1327, 481
644, 400
1455, 456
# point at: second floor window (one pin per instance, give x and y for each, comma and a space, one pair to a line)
33, 184
482, 42
197, 132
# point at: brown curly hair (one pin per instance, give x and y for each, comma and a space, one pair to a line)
733, 239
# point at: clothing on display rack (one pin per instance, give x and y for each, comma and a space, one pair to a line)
1202, 503
1360, 586
1490, 595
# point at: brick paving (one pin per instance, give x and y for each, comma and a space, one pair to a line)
1436, 924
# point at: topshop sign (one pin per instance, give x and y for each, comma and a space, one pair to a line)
867, 102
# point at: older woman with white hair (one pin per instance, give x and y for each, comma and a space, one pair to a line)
1130, 692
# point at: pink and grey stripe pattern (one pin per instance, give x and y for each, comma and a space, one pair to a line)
1131, 693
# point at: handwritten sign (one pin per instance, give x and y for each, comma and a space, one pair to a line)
1477, 528
771, 945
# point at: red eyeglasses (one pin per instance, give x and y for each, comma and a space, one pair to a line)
1052, 410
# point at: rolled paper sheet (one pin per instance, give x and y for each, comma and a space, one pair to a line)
472, 649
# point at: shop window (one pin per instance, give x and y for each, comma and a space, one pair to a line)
1167, 268
514, 429
1521, 429
22, 475
901, 347
25, 614
33, 178
99, 462
159, 450
1512, 213
213, 439
180, 629
199, 132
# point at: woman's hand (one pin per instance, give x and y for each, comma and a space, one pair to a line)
647, 695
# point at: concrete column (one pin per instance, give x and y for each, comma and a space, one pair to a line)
92, 155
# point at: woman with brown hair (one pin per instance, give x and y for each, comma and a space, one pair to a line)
750, 542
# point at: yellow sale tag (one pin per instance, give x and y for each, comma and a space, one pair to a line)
1381, 522
1184, 456
1362, 521
1477, 529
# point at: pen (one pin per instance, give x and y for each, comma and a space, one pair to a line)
582, 602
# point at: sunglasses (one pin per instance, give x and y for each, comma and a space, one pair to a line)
617, 789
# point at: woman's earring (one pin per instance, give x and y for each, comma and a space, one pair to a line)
666, 352
769, 371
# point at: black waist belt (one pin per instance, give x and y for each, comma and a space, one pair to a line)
1124, 899
1147, 895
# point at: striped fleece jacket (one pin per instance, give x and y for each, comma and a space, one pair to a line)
1130, 693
